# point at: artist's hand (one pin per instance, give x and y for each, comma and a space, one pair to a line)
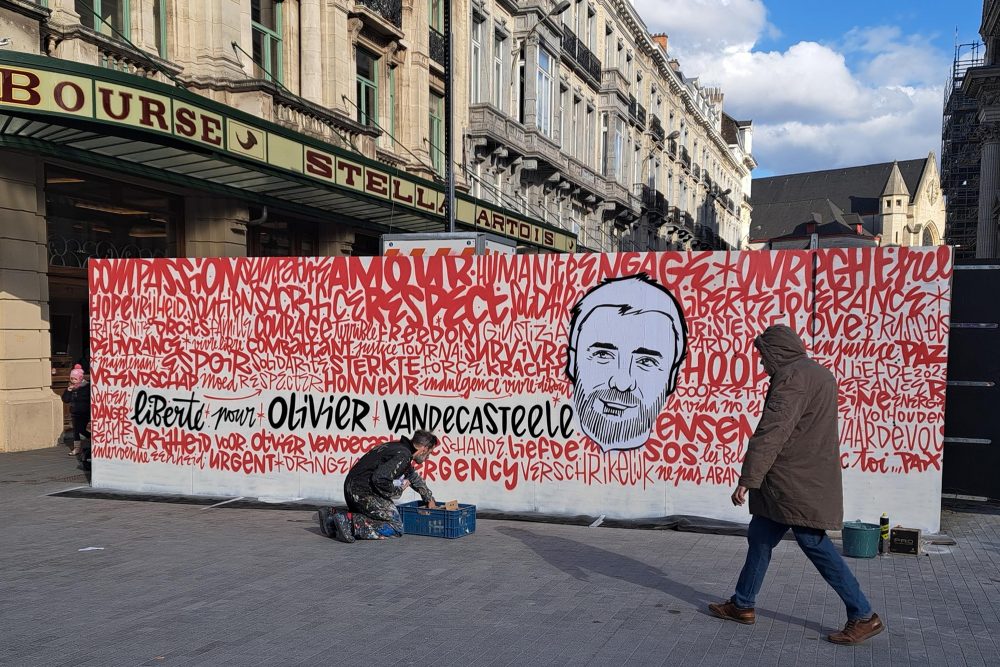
431, 504
739, 495
405, 485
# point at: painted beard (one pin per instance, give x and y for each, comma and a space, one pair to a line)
616, 419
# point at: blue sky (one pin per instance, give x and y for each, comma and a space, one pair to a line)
827, 84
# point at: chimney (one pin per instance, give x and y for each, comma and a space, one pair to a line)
675, 64
662, 40
858, 228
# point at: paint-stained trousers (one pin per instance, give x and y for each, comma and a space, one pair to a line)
373, 517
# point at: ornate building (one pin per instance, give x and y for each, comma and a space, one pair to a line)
579, 117
152, 128
891, 203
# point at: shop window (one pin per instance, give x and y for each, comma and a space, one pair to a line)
284, 237
367, 87
89, 216
436, 105
265, 24
108, 17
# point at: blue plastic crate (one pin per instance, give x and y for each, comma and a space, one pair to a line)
438, 522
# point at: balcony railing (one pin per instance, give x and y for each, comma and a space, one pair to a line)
655, 205
672, 147
390, 10
656, 129
696, 172
585, 61
640, 115
685, 157
436, 40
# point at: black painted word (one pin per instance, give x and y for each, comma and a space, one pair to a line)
157, 410
312, 412
486, 419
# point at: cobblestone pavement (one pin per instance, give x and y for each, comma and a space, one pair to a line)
184, 584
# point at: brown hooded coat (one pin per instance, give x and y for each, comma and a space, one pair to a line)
792, 465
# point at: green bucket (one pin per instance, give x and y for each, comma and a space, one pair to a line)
860, 539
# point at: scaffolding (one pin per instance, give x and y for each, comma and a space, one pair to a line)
960, 154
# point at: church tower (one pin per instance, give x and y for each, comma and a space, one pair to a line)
894, 207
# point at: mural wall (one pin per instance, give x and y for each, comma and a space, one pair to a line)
624, 384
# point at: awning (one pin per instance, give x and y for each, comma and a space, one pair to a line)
129, 123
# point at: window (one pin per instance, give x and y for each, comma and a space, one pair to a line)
543, 93
888, 203
265, 24
477, 61
575, 145
579, 24
564, 125
606, 157
437, 15
591, 29
437, 132
107, 17
389, 138
519, 102
160, 26
619, 149
279, 236
588, 147
899, 203
367, 91
609, 46
499, 66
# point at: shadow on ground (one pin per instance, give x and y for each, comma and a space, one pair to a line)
578, 560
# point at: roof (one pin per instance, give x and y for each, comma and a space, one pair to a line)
852, 189
780, 203
731, 129
772, 221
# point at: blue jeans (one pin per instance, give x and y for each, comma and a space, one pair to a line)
764, 534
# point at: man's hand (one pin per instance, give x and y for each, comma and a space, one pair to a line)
739, 495
431, 504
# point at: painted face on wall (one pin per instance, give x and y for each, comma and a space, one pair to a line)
624, 369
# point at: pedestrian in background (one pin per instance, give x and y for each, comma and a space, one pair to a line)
793, 476
77, 394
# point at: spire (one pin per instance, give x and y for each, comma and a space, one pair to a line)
895, 185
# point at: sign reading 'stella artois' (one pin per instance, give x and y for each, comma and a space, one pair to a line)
625, 385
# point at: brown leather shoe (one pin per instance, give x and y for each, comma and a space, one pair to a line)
731, 612
857, 631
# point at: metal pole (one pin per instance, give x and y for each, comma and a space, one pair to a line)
449, 173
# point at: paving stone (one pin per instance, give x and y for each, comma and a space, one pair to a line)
177, 584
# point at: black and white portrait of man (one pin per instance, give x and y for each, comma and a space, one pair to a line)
627, 340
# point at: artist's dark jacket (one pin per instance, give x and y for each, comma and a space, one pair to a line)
78, 399
376, 471
792, 465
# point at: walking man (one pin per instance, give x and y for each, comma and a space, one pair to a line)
373, 484
792, 473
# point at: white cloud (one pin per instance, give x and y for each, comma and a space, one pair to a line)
705, 25
873, 96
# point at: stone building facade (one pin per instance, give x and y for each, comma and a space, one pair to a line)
580, 117
982, 84
148, 128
